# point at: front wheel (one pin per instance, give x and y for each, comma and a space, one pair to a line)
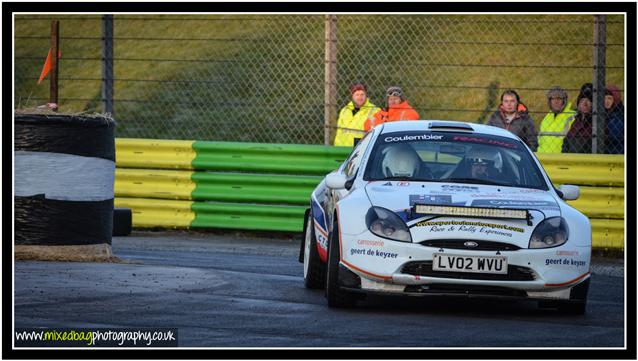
577, 303
335, 295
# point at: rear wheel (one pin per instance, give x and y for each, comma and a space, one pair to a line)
335, 295
314, 272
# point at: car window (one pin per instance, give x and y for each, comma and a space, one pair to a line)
351, 165
454, 158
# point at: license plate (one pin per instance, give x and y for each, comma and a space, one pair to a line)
476, 264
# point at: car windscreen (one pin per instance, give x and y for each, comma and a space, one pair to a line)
454, 158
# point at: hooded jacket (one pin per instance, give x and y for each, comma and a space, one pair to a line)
579, 136
401, 111
351, 122
522, 125
615, 143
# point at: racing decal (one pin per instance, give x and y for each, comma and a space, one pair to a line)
373, 253
514, 203
567, 253
430, 199
321, 233
412, 137
470, 227
565, 262
322, 243
568, 282
501, 195
456, 188
403, 184
319, 215
471, 139
364, 242
387, 184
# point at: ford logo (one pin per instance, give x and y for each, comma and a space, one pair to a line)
470, 244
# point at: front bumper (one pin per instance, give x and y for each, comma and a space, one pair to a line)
534, 273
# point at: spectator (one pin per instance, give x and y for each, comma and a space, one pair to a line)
397, 108
615, 143
513, 116
555, 125
353, 116
579, 136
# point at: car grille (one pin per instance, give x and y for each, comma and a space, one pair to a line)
459, 244
424, 268
465, 290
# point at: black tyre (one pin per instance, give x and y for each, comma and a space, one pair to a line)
314, 271
336, 296
577, 304
122, 221
573, 308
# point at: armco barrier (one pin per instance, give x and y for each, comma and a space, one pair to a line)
192, 184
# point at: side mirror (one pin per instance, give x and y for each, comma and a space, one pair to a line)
336, 181
570, 192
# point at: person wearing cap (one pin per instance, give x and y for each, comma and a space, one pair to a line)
352, 117
579, 136
615, 110
556, 124
397, 108
512, 115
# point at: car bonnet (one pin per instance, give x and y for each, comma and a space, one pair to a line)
401, 196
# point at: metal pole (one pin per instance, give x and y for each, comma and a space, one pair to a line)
107, 64
598, 106
55, 45
330, 80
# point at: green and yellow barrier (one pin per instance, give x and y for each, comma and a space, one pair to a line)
252, 186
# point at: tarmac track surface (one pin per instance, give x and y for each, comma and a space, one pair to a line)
230, 290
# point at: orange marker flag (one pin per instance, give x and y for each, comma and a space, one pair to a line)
47, 66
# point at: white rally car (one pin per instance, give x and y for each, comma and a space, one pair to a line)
445, 208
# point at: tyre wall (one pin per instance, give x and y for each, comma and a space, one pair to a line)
64, 186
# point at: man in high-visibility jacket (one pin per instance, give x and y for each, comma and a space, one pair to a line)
397, 108
556, 124
353, 116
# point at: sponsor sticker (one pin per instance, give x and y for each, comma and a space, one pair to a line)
403, 184
457, 188
513, 203
373, 253
469, 226
387, 184
323, 240
365, 242
564, 262
567, 253
412, 138
430, 199
472, 139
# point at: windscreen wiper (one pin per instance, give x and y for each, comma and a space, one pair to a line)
474, 181
406, 179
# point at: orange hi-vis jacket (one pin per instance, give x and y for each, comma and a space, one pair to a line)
401, 111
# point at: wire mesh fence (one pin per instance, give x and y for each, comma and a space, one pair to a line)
262, 78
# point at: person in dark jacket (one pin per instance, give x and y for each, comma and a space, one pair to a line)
579, 136
513, 116
615, 143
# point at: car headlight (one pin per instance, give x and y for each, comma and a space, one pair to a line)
387, 224
551, 232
